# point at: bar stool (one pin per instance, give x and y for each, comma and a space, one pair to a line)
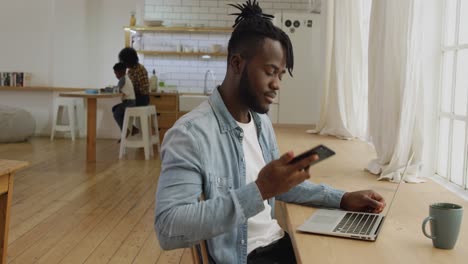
149, 133
75, 110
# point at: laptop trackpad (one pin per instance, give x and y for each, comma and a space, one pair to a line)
322, 220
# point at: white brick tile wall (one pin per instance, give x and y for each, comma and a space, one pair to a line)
266, 5
209, 16
218, 10
154, 2
281, 5
184, 9
209, 3
173, 2
161, 9
188, 72
190, 2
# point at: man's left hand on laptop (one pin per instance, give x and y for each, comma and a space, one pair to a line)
363, 201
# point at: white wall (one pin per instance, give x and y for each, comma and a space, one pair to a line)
69, 43
25, 38
65, 43
106, 19
69, 47
105, 22
44, 38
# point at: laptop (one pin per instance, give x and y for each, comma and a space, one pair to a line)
356, 225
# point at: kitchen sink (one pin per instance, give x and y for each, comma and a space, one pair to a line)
187, 102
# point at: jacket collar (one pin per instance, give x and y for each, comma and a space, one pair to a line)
225, 120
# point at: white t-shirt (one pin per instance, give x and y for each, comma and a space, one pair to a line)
262, 230
126, 87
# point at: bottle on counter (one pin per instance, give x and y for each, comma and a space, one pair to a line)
132, 19
136, 42
153, 82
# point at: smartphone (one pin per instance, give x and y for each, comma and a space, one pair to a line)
322, 151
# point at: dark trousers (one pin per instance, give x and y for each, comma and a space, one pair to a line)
118, 111
279, 252
142, 100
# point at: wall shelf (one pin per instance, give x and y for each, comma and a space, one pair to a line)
143, 29
222, 30
177, 53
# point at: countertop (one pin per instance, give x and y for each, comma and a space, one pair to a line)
40, 88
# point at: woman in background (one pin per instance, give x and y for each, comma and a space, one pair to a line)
137, 74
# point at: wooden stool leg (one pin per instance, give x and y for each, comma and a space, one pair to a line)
71, 120
123, 135
146, 136
54, 120
150, 128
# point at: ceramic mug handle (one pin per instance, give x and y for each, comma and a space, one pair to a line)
429, 218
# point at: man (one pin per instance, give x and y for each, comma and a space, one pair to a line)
138, 75
226, 150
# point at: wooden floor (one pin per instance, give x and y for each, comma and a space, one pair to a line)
67, 211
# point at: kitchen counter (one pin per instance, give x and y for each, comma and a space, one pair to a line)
39, 101
40, 88
174, 93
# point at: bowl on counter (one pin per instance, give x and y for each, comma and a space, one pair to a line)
196, 25
153, 23
176, 25
215, 48
91, 91
167, 88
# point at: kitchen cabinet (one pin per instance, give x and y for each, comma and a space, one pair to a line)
167, 108
130, 31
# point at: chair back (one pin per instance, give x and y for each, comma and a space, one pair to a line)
200, 251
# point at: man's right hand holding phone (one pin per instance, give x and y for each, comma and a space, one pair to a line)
280, 175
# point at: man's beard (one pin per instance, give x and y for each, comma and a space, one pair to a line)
248, 96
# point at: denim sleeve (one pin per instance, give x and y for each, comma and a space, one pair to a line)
181, 219
310, 194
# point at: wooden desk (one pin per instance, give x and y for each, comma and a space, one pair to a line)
400, 240
91, 119
7, 170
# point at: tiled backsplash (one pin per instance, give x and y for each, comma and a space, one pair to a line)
188, 72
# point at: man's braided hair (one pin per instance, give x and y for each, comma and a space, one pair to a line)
251, 27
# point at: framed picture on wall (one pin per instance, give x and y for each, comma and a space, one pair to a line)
6, 79
19, 79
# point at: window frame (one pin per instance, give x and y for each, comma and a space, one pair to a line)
451, 116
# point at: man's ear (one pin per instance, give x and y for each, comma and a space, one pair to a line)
237, 63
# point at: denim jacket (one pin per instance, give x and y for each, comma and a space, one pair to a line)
202, 153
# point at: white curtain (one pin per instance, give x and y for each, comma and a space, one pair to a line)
344, 101
395, 88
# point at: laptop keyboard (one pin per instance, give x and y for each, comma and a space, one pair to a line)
356, 223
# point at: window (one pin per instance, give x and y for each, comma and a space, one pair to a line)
452, 146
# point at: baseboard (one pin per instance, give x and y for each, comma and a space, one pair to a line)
305, 127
